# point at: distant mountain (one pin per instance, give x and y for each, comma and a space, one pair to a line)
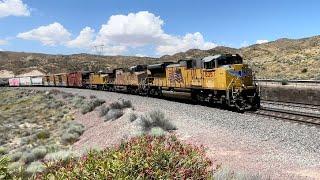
282, 59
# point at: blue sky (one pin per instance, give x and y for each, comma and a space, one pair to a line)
153, 28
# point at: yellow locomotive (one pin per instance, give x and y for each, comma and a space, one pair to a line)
220, 79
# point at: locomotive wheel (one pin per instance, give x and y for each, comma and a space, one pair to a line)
240, 105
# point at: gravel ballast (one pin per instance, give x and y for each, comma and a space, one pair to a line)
243, 142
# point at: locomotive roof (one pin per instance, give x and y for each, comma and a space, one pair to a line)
218, 56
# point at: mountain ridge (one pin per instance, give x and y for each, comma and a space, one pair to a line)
283, 58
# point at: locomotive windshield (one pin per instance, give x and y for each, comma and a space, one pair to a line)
216, 61
229, 59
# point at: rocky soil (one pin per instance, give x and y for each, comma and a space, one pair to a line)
245, 143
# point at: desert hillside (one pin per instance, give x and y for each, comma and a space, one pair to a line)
281, 59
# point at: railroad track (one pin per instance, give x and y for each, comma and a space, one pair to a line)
288, 115
292, 105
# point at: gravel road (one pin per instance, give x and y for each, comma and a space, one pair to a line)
243, 142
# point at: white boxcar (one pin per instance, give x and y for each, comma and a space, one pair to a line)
36, 81
25, 81
14, 82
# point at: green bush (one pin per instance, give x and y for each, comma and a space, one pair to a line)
304, 70
156, 119
144, 157
44, 134
4, 171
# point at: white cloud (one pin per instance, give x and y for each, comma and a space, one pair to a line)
134, 29
261, 41
114, 50
3, 42
244, 44
1, 49
51, 34
13, 8
141, 55
144, 28
120, 34
84, 40
189, 41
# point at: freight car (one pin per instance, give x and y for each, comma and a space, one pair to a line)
61, 79
79, 79
4, 82
219, 79
37, 81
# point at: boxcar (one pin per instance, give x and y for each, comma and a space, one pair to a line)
51, 80
25, 81
61, 79
37, 81
14, 82
79, 79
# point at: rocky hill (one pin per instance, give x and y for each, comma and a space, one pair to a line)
281, 59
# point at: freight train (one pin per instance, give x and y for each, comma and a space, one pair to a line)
220, 79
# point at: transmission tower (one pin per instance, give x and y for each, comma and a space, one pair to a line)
99, 49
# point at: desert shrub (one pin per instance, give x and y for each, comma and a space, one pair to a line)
284, 82
156, 119
121, 104
3, 150
92, 97
15, 166
126, 104
15, 156
39, 152
133, 117
103, 111
77, 101
143, 157
44, 134
27, 157
113, 114
69, 138
71, 133
115, 105
304, 70
35, 167
54, 91
91, 105
60, 156
157, 131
